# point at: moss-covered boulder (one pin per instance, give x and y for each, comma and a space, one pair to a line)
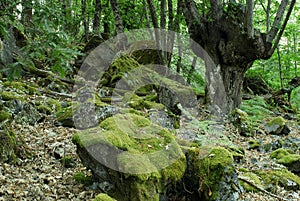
139, 159
241, 121
287, 158
277, 126
207, 168
284, 178
103, 197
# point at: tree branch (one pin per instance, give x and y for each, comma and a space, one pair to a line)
277, 21
271, 51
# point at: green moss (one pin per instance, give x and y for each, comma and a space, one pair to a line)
277, 121
153, 105
252, 178
67, 161
276, 125
44, 109
289, 159
208, 165
53, 104
103, 197
65, 116
81, 178
4, 115
6, 96
254, 144
138, 103
279, 153
22, 87
7, 146
285, 157
238, 153
138, 164
76, 140
278, 177
14, 84
151, 157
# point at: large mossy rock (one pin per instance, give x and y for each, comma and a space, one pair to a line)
139, 159
207, 173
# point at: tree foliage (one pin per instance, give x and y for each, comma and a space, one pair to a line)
49, 34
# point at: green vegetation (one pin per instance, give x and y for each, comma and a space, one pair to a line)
80, 177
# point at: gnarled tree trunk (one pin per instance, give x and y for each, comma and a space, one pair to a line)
224, 35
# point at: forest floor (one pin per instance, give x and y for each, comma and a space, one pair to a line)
43, 176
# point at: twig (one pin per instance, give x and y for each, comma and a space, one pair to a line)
245, 179
63, 162
56, 93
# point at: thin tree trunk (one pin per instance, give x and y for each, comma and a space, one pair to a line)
295, 51
177, 29
249, 18
192, 69
163, 33
277, 21
122, 39
97, 16
268, 21
280, 68
179, 61
279, 35
216, 9
148, 20
171, 32
156, 28
85, 20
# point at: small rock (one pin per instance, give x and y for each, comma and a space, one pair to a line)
277, 126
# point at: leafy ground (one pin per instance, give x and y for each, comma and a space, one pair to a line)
44, 177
